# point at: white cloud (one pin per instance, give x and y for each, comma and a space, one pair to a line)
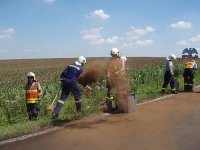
94, 37
91, 34
195, 38
127, 45
183, 43
143, 42
111, 40
149, 29
5, 36
181, 25
131, 39
137, 43
8, 31
140, 31
188, 42
100, 14
49, 1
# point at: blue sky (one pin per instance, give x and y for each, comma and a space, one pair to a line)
69, 28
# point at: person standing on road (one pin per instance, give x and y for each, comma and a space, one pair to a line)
115, 76
188, 75
33, 94
169, 77
69, 81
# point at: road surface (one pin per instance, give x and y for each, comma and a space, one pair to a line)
172, 123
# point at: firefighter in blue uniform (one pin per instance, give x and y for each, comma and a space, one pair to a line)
69, 78
169, 77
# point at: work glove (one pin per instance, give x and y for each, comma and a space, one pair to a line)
88, 89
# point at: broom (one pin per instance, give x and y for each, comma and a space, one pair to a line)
51, 107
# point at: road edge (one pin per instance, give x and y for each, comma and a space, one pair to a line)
57, 128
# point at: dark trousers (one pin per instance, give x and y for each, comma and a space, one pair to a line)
33, 110
169, 79
188, 76
110, 99
69, 86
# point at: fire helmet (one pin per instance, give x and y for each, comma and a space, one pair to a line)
114, 51
31, 74
82, 60
171, 57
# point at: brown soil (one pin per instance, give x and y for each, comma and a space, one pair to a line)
119, 82
168, 124
93, 72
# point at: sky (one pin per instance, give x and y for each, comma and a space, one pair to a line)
70, 28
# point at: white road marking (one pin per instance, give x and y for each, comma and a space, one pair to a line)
56, 128
28, 136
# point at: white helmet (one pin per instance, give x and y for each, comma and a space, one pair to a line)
31, 74
82, 60
114, 51
171, 57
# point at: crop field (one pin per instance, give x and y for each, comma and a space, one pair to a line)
145, 77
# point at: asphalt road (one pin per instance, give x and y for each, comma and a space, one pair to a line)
172, 123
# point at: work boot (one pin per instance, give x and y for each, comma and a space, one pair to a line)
78, 107
54, 116
109, 106
174, 92
163, 91
35, 116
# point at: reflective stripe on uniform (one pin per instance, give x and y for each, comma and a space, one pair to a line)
31, 91
75, 67
78, 101
32, 95
188, 84
111, 98
32, 100
189, 65
60, 101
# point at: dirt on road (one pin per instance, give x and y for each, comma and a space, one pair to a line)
172, 123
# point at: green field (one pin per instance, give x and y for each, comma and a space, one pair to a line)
145, 78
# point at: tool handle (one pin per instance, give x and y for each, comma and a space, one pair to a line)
54, 98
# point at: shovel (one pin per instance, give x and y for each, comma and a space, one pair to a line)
51, 107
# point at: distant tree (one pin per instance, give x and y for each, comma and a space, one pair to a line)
188, 53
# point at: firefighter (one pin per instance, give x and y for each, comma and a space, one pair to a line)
33, 94
169, 77
188, 75
115, 76
69, 81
